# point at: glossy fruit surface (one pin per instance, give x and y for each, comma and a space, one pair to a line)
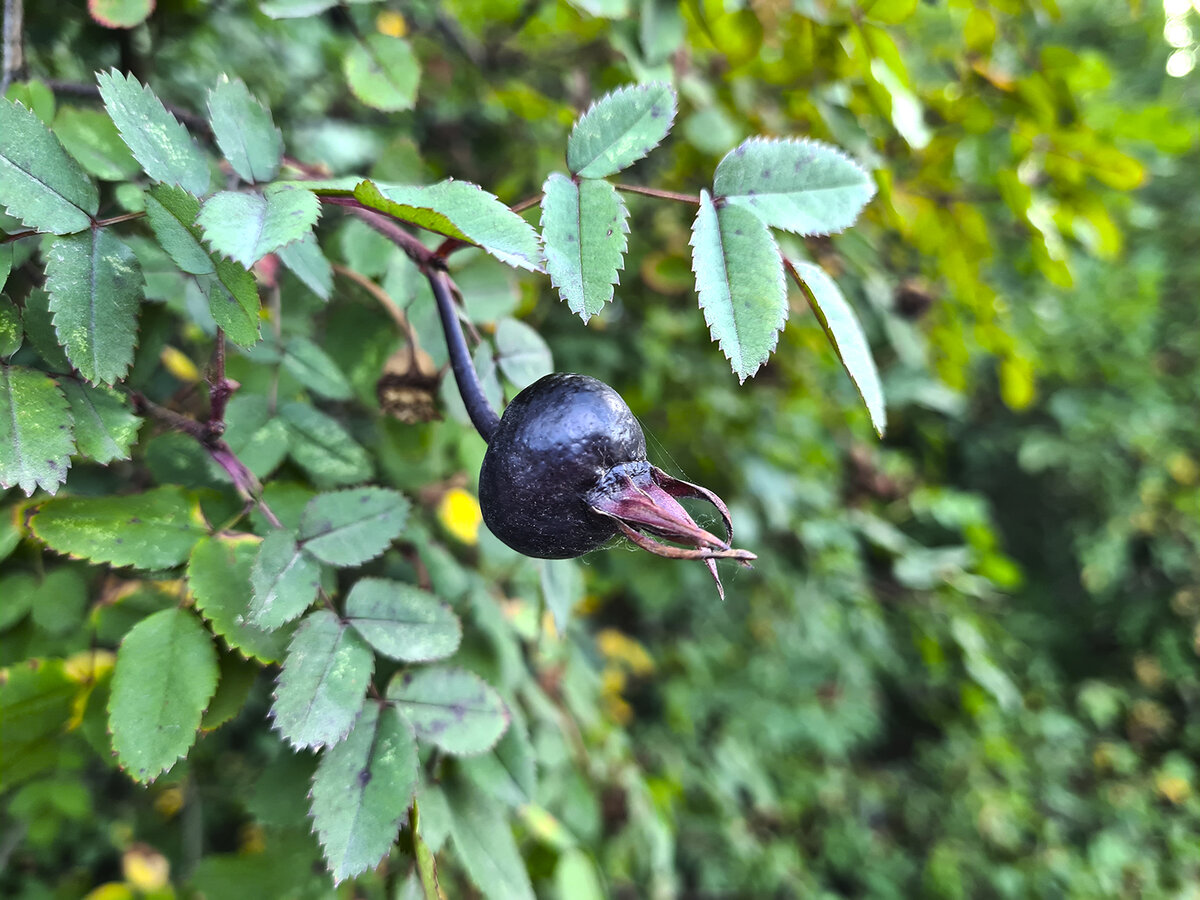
557, 440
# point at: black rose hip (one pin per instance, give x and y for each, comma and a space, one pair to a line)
566, 471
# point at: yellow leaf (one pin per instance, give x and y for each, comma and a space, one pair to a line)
114, 890
624, 649
145, 868
178, 364
459, 514
391, 23
1016, 383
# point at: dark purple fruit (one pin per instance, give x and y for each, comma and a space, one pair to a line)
566, 472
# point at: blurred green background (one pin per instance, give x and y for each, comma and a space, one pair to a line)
965, 664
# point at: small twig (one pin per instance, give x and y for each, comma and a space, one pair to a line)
378, 293
660, 194
416, 251
96, 223
220, 388
13, 54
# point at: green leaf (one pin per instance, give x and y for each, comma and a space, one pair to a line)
620, 128
284, 580
166, 673
120, 13
219, 577
846, 334
348, 528
171, 212
362, 789
452, 708
244, 131
233, 302
562, 587
256, 436
509, 771
40, 183
91, 137
383, 72
246, 227
321, 446
95, 285
236, 679
105, 427
575, 876
426, 868
11, 329
484, 843
295, 9
39, 329
315, 369
522, 355
401, 621
152, 530
584, 226
798, 185
6, 261
308, 263
164, 148
890, 12
35, 431
321, 687
36, 700
739, 277
460, 210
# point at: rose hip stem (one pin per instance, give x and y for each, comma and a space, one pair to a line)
483, 417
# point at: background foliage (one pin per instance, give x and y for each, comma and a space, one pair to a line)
965, 663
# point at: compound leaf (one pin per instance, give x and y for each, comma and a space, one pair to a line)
40, 183
219, 577
739, 277
347, 528
383, 72
402, 621
35, 431
798, 185
95, 285
362, 789
246, 227
321, 687
846, 334
163, 146
460, 210
584, 226
509, 771
620, 128
452, 708
165, 675
244, 131
152, 530
284, 581
484, 842
105, 426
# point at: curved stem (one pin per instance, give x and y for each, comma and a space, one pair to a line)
483, 417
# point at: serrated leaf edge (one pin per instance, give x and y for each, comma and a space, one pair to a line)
618, 92
801, 141
782, 278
